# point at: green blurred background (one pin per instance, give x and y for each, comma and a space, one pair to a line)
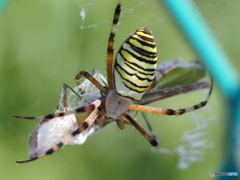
43, 44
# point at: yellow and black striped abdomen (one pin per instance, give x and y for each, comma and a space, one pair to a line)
135, 65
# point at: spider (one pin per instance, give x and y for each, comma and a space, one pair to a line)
129, 77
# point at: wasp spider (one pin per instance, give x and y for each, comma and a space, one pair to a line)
129, 76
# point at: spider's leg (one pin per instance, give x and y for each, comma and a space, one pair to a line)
110, 50
171, 111
120, 122
151, 139
152, 85
91, 107
92, 79
88, 122
148, 125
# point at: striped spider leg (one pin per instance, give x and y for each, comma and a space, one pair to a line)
129, 77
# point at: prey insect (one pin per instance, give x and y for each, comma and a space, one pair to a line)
129, 78
49, 132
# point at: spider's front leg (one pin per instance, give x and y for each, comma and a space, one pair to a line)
91, 79
61, 114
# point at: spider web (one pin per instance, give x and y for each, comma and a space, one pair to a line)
193, 143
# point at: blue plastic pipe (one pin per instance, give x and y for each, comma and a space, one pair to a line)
225, 76
2, 4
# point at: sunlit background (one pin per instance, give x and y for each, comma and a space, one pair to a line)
44, 44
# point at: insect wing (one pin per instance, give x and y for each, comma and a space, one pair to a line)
174, 77
176, 72
50, 132
157, 94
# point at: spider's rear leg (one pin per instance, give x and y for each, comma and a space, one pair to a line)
151, 139
171, 111
88, 122
92, 79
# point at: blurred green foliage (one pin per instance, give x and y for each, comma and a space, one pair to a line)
42, 46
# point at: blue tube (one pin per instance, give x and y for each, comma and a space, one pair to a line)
2, 4
210, 52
